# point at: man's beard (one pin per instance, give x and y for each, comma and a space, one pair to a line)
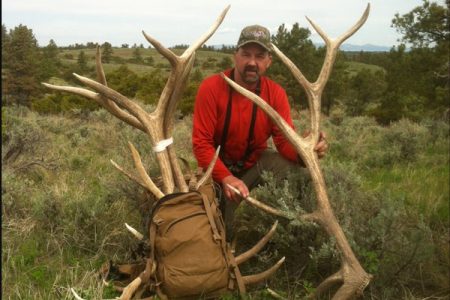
250, 78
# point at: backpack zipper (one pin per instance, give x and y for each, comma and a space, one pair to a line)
171, 224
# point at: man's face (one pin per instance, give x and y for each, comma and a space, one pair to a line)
251, 61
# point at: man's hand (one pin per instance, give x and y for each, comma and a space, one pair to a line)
236, 183
322, 144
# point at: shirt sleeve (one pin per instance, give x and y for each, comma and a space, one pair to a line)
281, 105
203, 129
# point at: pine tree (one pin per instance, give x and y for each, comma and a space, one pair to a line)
21, 55
82, 61
107, 52
50, 62
137, 56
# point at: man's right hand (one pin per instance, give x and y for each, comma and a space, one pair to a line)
236, 183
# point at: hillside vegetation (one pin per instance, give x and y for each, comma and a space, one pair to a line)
64, 205
386, 116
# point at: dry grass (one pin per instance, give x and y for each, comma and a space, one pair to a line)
59, 225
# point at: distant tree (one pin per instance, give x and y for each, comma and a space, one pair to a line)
91, 45
21, 59
196, 75
50, 61
149, 60
366, 89
124, 81
227, 49
82, 61
296, 45
225, 63
418, 80
77, 46
125, 46
180, 46
424, 26
151, 86
137, 56
107, 52
5, 42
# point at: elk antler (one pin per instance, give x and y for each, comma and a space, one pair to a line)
158, 125
351, 275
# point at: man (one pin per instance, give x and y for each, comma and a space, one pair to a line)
224, 117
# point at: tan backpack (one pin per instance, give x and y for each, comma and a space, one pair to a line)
188, 238
187, 249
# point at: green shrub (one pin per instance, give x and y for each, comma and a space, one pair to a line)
404, 141
63, 218
390, 239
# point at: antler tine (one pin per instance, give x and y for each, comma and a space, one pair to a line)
135, 233
260, 205
128, 174
208, 170
149, 184
171, 57
75, 294
75, 90
131, 288
333, 47
171, 94
207, 34
327, 284
310, 89
256, 278
122, 115
258, 246
347, 34
121, 100
175, 97
152, 127
99, 67
189, 51
314, 90
294, 70
108, 104
181, 67
168, 123
77, 297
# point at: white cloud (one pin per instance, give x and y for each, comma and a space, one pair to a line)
182, 22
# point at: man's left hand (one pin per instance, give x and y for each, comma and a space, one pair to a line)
322, 145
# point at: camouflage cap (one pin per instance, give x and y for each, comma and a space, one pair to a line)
255, 34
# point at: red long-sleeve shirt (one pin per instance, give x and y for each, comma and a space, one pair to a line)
209, 118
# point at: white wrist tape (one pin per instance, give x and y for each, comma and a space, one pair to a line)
162, 145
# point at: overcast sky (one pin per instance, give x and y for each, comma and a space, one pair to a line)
184, 21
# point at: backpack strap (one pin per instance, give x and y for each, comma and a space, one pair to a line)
209, 214
228, 117
236, 272
234, 269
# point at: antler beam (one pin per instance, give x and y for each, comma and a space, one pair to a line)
352, 276
158, 125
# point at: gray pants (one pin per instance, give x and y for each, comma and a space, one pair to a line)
270, 161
